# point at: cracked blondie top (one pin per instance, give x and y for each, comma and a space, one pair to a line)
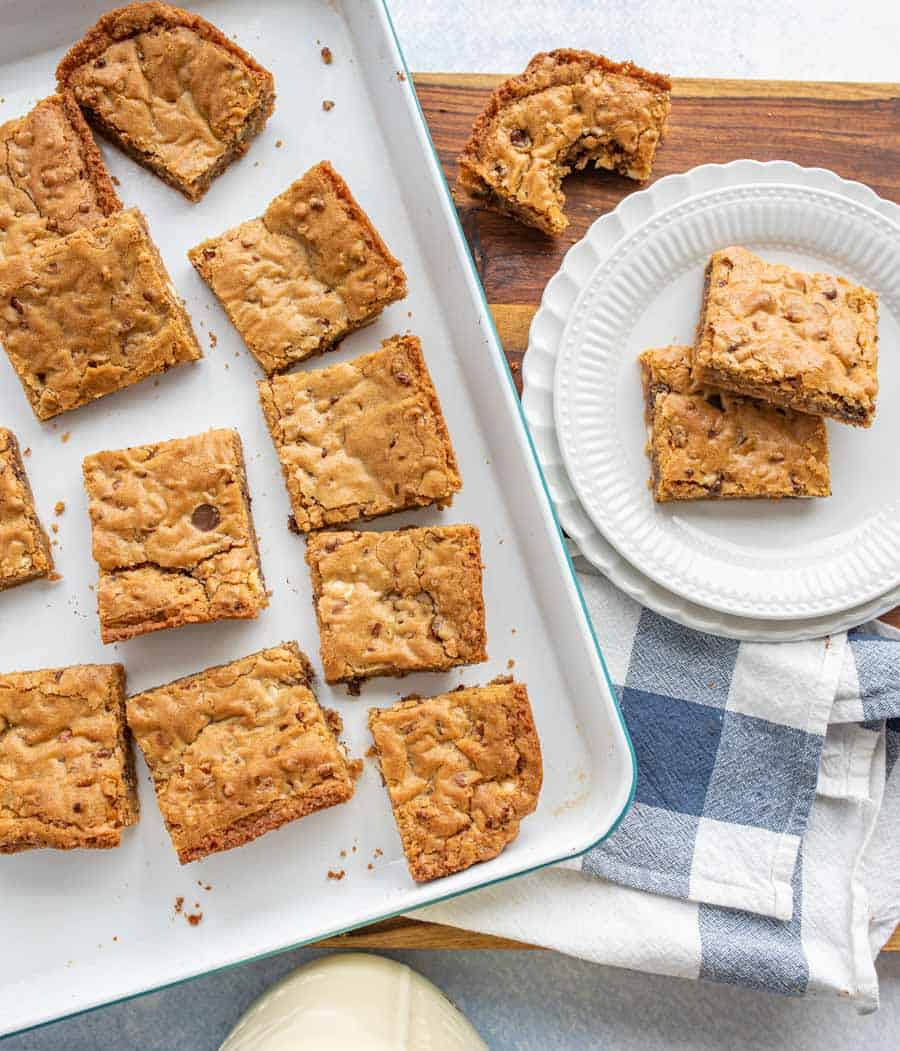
805, 341
462, 770
24, 548
66, 767
397, 602
362, 438
172, 535
87, 314
705, 443
296, 280
238, 750
52, 177
567, 110
171, 90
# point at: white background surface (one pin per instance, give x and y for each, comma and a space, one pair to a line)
526, 1000
775, 39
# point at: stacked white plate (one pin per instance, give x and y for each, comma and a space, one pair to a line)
750, 569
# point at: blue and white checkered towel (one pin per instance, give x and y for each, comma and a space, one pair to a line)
751, 854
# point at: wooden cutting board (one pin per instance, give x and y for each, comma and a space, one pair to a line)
854, 129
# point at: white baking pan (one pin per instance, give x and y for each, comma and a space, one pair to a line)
84, 928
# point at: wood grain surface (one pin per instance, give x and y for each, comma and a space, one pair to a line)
850, 128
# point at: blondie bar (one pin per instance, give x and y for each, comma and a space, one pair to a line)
397, 602
24, 548
52, 179
567, 110
172, 535
240, 749
296, 280
362, 438
169, 89
706, 443
462, 770
805, 341
66, 767
87, 314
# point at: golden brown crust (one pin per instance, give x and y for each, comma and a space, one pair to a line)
24, 548
708, 444
108, 200
396, 602
807, 342
361, 439
66, 765
569, 108
297, 280
173, 535
87, 314
232, 94
238, 750
52, 177
462, 770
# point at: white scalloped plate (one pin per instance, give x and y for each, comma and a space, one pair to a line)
780, 560
748, 553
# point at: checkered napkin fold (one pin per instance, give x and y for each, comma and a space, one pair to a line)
761, 848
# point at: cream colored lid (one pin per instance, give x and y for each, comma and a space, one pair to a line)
353, 1000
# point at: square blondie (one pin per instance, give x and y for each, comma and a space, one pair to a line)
66, 766
24, 548
397, 602
361, 439
295, 281
169, 89
808, 342
709, 444
53, 180
240, 749
173, 535
462, 770
90, 313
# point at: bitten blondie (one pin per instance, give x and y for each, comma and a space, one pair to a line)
362, 438
52, 179
170, 90
462, 770
90, 313
172, 535
24, 548
396, 602
296, 280
567, 110
805, 341
240, 749
66, 766
706, 443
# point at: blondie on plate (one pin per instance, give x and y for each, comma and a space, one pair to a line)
706, 443
805, 341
